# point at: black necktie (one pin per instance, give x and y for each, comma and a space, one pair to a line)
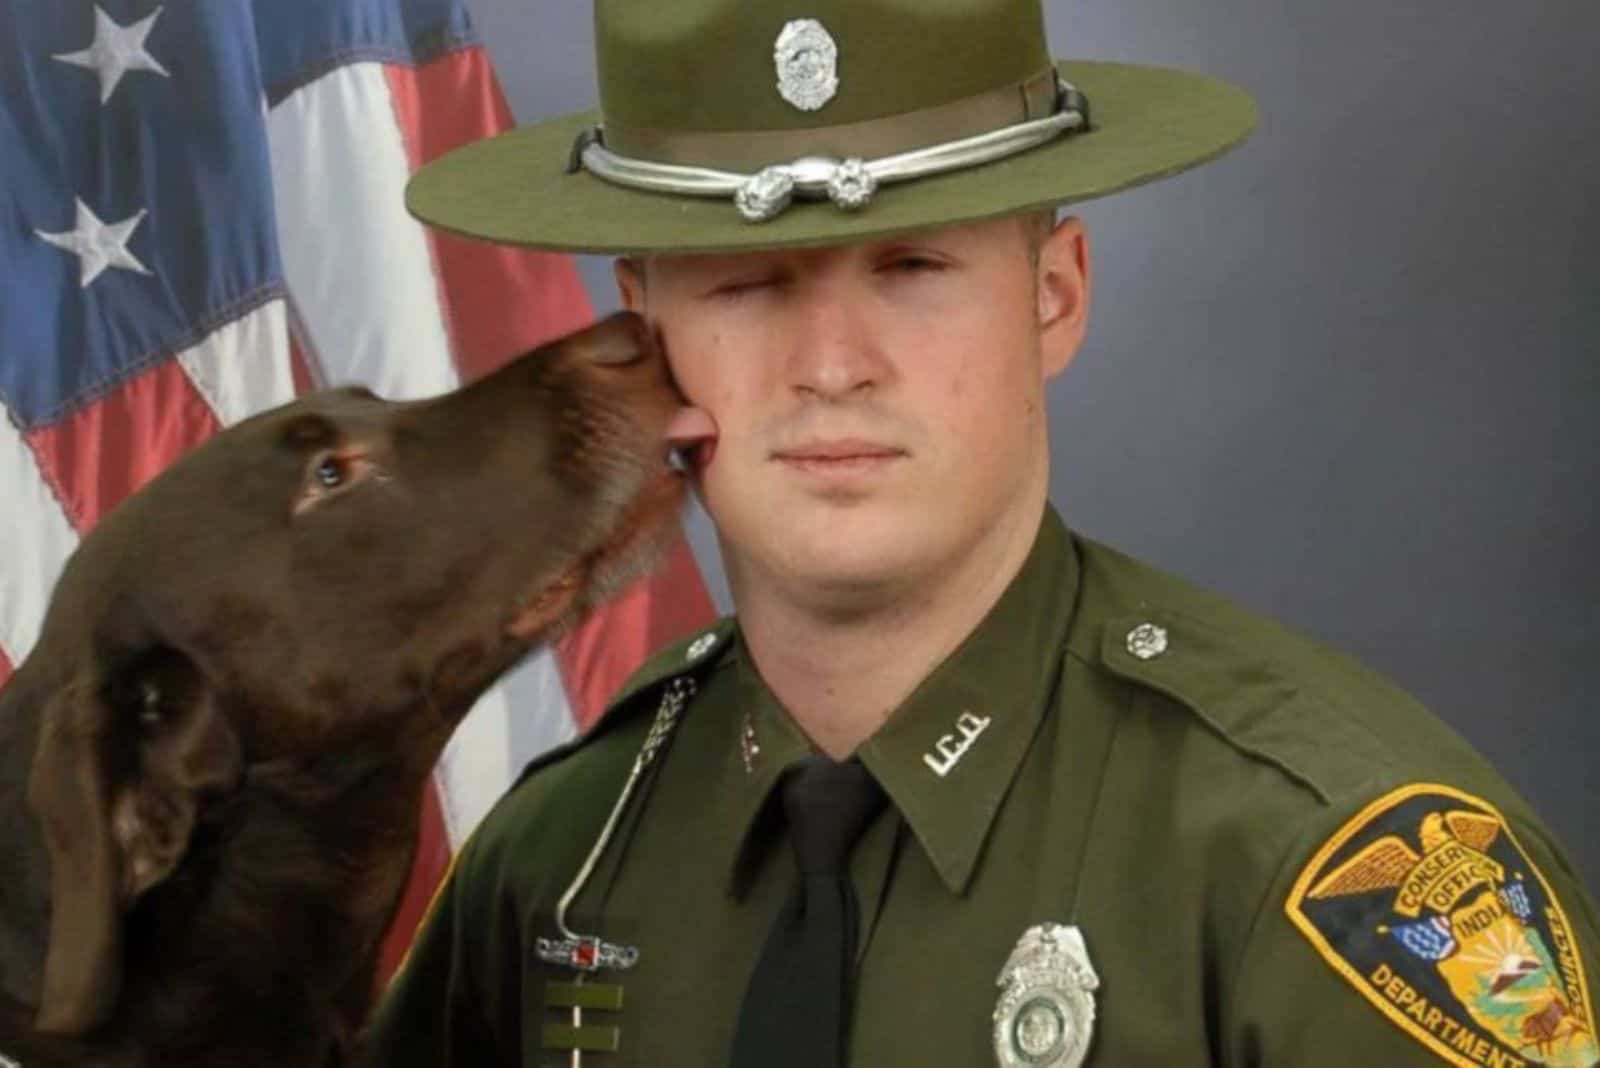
796, 1007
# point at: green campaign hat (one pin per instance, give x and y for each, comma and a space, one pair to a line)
741, 124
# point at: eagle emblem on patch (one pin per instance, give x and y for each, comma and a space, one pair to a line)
1426, 903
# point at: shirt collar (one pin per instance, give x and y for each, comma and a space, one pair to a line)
748, 789
947, 756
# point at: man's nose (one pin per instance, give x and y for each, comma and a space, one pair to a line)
834, 351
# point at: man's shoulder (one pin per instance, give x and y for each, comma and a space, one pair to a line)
1354, 855
1274, 742
578, 782
1328, 723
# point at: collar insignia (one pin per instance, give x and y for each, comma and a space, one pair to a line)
949, 750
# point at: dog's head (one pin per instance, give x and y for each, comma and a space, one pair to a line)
340, 576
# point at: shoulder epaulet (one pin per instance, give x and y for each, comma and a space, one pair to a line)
1276, 695
693, 655
1257, 704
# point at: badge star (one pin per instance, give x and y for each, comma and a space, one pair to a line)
99, 245
116, 51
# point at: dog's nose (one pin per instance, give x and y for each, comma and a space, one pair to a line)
615, 355
617, 341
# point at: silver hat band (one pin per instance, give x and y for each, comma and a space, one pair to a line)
849, 183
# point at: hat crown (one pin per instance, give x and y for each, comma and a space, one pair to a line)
745, 124
708, 65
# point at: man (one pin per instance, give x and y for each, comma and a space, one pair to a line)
957, 787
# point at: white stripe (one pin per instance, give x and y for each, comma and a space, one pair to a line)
483, 754
544, 708
239, 369
310, 361
359, 269
35, 541
243, 367
361, 280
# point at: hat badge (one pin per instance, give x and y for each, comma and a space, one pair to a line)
807, 60
1045, 1015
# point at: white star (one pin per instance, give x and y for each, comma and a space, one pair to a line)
99, 245
116, 50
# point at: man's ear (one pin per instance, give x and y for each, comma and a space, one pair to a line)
629, 274
1062, 288
117, 784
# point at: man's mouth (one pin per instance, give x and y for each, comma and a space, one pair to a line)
843, 449
840, 456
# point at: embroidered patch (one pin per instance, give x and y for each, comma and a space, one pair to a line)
1427, 904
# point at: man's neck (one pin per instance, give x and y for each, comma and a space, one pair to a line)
841, 674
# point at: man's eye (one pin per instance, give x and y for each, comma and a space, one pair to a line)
744, 288
913, 264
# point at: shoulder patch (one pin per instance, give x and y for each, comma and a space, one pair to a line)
1427, 904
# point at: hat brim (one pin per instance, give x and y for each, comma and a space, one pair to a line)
1148, 123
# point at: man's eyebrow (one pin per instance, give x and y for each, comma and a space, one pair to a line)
911, 243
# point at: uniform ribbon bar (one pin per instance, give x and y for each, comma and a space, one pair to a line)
587, 1037
605, 996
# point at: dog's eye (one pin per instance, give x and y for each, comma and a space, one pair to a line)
151, 713
331, 472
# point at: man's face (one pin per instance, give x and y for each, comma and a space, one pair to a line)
880, 406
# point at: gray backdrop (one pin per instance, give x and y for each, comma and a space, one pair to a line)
1347, 375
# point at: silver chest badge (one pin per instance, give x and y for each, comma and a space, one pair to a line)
1045, 1015
807, 60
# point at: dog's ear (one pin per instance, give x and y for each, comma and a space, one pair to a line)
69, 789
118, 781
187, 753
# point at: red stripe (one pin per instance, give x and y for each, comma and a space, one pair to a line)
5, 669
429, 867
101, 453
499, 301
441, 106
300, 368
598, 656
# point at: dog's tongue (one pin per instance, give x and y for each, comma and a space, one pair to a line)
694, 432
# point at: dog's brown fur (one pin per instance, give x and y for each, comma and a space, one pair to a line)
211, 764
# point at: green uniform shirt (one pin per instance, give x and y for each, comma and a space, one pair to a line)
1273, 858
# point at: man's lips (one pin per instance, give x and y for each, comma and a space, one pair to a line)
846, 454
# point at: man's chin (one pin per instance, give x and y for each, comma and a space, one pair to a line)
845, 586
846, 555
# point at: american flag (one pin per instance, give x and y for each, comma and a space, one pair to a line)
200, 216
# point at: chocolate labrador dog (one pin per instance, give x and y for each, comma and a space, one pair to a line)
211, 764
